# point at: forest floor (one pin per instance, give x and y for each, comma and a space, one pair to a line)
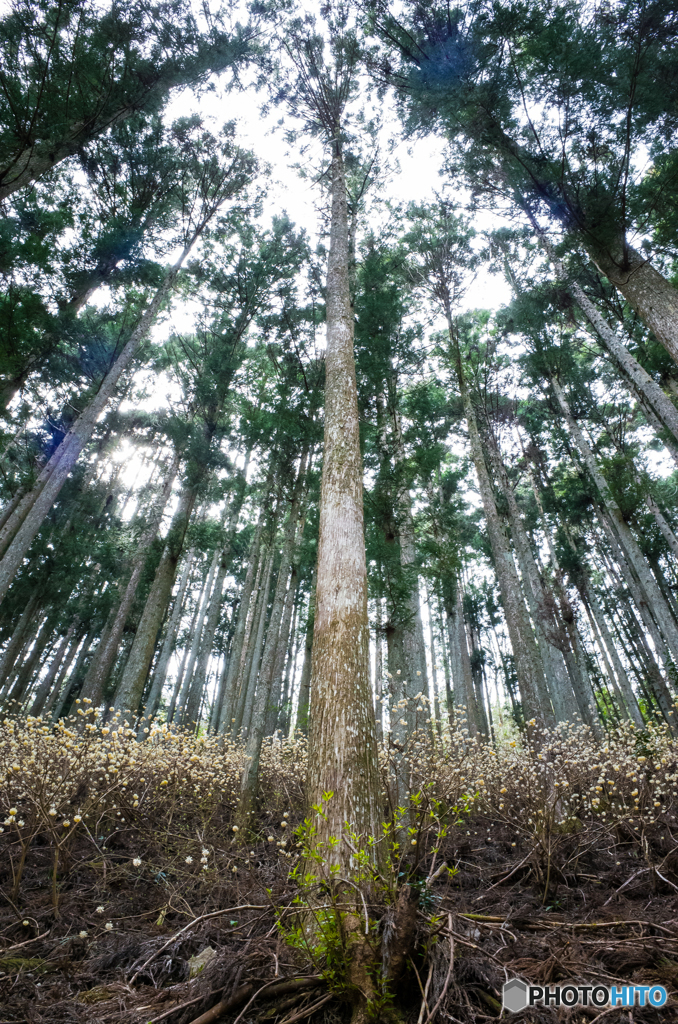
160, 912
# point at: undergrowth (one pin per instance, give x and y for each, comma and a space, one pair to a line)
120, 863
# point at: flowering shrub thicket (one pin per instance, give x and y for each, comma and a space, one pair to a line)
179, 793
173, 792
559, 777
109, 845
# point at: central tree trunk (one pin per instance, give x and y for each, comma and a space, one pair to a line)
343, 744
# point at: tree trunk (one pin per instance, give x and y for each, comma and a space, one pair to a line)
285, 716
72, 682
542, 611
242, 670
525, 654
21, 631
628, 543
343, 743
462, 674
38, 158
282, 653
648, 292
666, 531
189, 700
657, 681
60, 683
200, 679
160, 673
244, 716
378, 672
22, 526
48, 682
641, 381
131, 688
304, 699
177, 688
104, 658
414, 651
241, 635
250, 778
620, 672
449, 699
30, 666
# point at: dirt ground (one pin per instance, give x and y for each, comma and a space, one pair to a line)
123, 943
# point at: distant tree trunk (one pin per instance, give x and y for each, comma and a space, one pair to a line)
282, 652
304, 699
249, 785
19, 635
178, 682
60, 681
189, 700
23, 525
254, 656
620, 708
283, 722
462, 675
658, 683
70, 687
627, 541
46, 685
378, 672
435, 703
477, 677
343, 742
250, 624
542, 611
413, 647
104, 658
160, 673
628, 696
227, 700
449, 697
30, 666
641, 658
131, 688
211, 622
529, 669
580, 683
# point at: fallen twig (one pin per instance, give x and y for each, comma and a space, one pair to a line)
511, 873
196, 920
623, 886
308, 1010
450, 968
273, 988
26, 942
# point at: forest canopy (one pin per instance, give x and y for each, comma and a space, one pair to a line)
338, 474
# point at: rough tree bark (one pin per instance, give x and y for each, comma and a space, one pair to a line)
343, 743
648, 292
